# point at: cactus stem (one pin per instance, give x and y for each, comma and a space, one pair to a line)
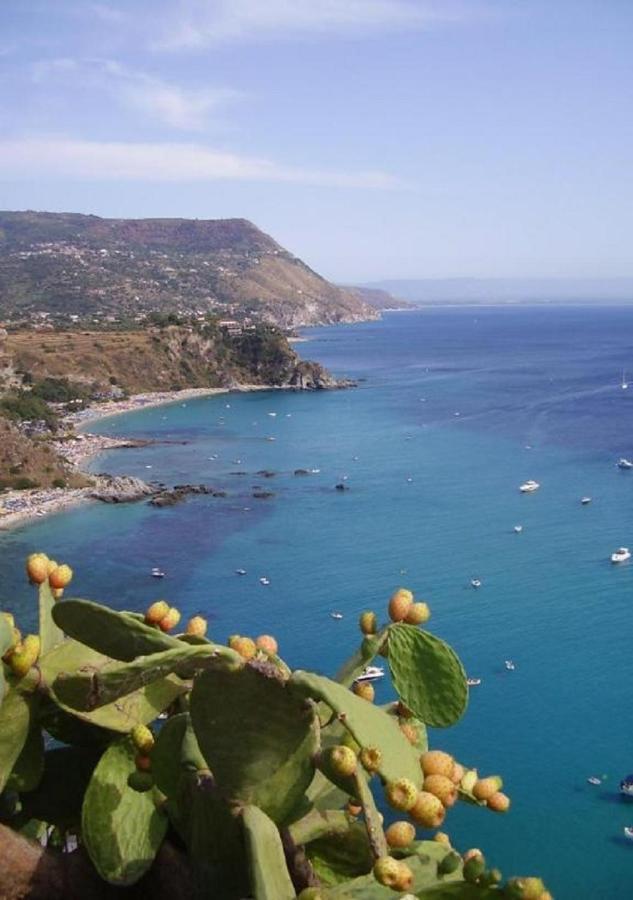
376, 835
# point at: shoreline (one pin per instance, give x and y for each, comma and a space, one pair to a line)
18, 508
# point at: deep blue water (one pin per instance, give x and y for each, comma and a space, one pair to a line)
538, 396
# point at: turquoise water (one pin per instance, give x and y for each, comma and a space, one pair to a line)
543, 379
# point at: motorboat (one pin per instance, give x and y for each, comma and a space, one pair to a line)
473, 682
475, 582
508, 663
371, 673
626, 786
240, 571
624, 383
273, 414
624, 463
518, 529
585, 500
336, 615
528, 487
628, 832
593, 779
157, 573
264, 580
620, 555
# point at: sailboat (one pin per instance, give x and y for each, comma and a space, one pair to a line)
624, 383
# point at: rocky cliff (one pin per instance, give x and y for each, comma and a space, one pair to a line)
69, 264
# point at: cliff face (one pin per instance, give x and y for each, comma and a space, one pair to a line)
70, 264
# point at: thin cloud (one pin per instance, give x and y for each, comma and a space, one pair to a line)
200, 23
164, 162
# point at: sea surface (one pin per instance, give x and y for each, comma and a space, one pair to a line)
454, 409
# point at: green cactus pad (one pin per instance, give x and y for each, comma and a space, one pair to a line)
167, 753
6, 638
256, 735
29, 766
121, 715
266, 861
121, 828
117, 635
338, 857
428, 675
15, 723
368, 724
60, 793
50, 634
422, 744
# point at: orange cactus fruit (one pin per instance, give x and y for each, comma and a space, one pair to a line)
400, 604
60, 577
268, 644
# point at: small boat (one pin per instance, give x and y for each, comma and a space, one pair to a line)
624, 463
508, 663
626, 786
593, 779
270, 438
273, 414
475, 582
628, 832
518, 529
624, 383
157, 573
336, 615
473, 682
264, 580
528, 487
371, 673
585, 500
620, 555
240, 571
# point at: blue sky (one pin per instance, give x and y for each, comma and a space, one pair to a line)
374, 138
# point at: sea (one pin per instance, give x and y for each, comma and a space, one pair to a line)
454, 409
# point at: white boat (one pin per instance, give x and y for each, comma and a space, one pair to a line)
371, 673
336, 615
528, 487
620, 555
593, 779
628, 832
624, 463
585, 500
273, 414
157, 573
475, 582
624, 383
518, 529
473, 682
626, 786
264, 580
509, 665
240, 571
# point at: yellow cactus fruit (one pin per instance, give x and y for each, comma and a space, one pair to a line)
443, 788
404, 880
245, 646
400, 834
437, 762
368, 623
458, 773
8, 618
442, 838
371, 759
498, 802
473, 853
353, 807
170, 620
387, 871
418, 614
342, 760
486, 787
364, 689
156, 611
469, 780
267, 643
37, 568
51, 565
60, 577
428, 810
197, 626
401, 794
142, 738
24, 655
57, 593
400, 605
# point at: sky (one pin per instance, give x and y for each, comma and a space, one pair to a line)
373, 138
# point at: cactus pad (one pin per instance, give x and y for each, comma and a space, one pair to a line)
266, 861
427, 675
50, 633
15, 722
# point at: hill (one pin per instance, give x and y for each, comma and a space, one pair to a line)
510, 290
381, 299
67, 264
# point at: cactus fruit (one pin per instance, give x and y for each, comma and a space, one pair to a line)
474, 868
387, 871
37, 568
267, 643
368, 623
400, 605
486, 787
418, 614
410, 732
458, 773
60, 577
142, 762
469, 780
401, 794
404, 881
197, 626
353, 807
371, 759
400, 834
170, 620
140, 781
469, 854
442, 838
437, 762
342, 760
8, 618
245, 646
16, 640
449, 864
427, 810
527, 888
24, 655
364, 689
57, 593
442, 787
498, 802
156, 611
142, 738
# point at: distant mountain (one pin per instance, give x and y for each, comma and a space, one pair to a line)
380, 299
510, 290
71, 264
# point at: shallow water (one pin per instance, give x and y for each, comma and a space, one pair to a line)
432, 503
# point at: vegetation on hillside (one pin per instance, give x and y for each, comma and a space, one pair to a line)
191, 769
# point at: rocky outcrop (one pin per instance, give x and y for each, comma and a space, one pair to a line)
120, 489
178, 493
